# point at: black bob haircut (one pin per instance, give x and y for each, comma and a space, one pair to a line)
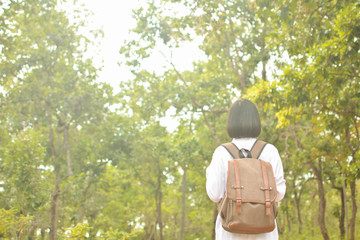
243, 120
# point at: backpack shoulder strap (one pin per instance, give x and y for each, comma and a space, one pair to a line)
257, 148
232, 149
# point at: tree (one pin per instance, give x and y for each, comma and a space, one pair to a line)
49, 85
70, 166
328, 78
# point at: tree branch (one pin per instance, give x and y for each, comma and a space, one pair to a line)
357, 133
344, 112
347, 137
213, 132
234, 67
196, 104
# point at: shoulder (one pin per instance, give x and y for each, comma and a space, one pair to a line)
220, 150
270, 148
270, 153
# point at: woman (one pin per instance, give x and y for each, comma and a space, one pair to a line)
244, 127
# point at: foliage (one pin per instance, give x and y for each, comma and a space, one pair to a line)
71, 168
12, 224
116, 234
77, 232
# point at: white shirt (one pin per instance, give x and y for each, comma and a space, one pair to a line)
216, 175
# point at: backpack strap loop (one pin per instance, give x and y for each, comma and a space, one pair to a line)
266, 188
237, 187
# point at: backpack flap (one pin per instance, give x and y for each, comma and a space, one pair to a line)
252, 185
250, 179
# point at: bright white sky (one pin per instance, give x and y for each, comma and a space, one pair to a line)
114, 17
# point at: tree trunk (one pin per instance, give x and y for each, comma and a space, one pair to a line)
82, 204
353, 149
159, 203
67, 150
345, 208
183, 201
297, 202
55, 206
215, 214
354, 209
342, 214
93, 231
322, 200
322, 208
55, 194
32, 233
288, 219
280, 225
42, 234
313, 214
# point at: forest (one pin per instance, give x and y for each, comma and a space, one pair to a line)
81, 161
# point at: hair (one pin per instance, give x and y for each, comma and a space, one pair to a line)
243, 120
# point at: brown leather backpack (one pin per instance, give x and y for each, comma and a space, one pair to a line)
249, 204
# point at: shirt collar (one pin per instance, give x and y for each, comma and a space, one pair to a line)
245, 143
